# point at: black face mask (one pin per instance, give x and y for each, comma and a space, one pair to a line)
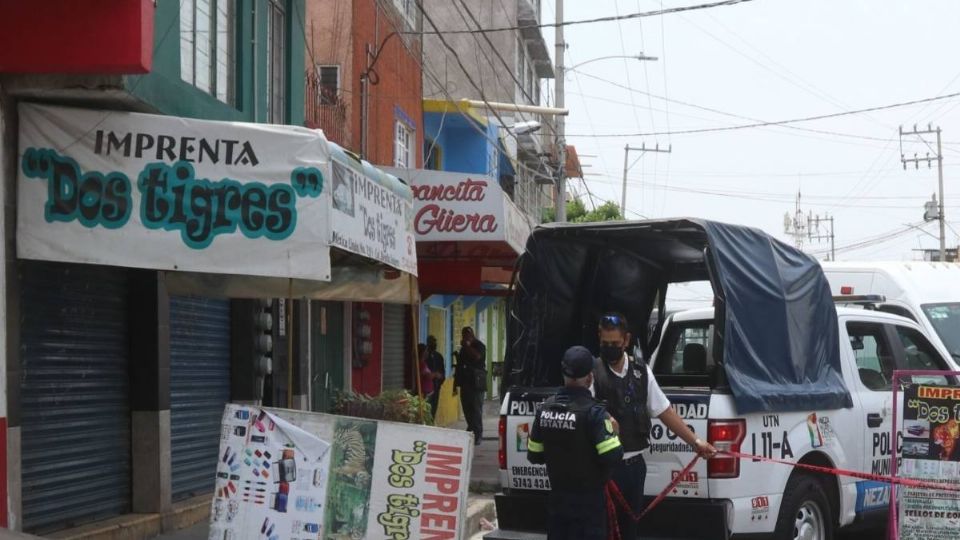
611, 353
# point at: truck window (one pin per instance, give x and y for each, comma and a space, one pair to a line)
687, 350
875, 360
920, 354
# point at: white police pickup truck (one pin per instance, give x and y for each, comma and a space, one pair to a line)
749, 497
775, 370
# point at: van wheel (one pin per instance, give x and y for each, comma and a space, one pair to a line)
805, 511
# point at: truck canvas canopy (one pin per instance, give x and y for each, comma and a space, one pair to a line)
775, 327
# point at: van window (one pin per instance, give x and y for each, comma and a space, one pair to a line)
687, 350
875, 360
945, 319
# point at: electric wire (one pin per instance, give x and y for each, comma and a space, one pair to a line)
654, 13
778, 122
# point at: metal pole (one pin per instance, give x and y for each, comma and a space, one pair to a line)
833, 249
943, 218
623, 193
560, 47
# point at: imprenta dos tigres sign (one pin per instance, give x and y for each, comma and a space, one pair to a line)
167, 193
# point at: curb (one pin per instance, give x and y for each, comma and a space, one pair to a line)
478, 507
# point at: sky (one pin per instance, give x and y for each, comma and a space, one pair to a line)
770, 60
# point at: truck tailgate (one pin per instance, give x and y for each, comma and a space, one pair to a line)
669, 454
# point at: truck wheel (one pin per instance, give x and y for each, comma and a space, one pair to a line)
805, 511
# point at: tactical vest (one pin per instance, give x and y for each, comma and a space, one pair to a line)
626, 400
571, 457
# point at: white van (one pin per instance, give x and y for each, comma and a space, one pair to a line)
927, 292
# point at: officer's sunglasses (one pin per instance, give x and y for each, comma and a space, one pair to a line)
611, 320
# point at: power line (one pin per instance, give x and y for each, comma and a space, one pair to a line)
640, 15
778, 122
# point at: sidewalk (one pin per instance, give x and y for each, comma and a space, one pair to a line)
485, 475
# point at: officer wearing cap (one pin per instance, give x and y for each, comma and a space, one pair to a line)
576, 438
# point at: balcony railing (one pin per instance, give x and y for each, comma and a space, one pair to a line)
326, 109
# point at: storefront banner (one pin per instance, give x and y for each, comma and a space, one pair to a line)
290, 474
930, 452
455, 206
161, 192
372, 215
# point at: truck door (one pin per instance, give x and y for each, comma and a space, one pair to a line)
873, 349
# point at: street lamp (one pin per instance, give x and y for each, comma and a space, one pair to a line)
640, 57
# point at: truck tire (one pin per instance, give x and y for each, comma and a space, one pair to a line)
805, 512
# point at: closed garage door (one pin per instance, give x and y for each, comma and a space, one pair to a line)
74, 394
199, 388
393, 364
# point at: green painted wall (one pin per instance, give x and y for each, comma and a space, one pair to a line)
165, 91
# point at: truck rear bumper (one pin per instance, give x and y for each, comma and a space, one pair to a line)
523, 516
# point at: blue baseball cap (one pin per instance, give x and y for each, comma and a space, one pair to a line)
577, 362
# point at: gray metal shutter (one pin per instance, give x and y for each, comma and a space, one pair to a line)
393, 362
199, 388
74, 394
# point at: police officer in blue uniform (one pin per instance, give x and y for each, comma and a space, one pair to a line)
576, 438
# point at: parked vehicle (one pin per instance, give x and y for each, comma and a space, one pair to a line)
774, 370
927, 292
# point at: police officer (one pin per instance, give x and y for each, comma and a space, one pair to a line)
632, 395
575, 437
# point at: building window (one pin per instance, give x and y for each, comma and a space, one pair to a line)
403, 146
276, 62
207, 46
329, 84
407, 8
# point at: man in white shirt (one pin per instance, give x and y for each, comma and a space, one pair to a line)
633, 397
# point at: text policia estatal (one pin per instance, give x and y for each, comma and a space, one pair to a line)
439, 511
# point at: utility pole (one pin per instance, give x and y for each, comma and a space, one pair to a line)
928, 159
626, 152
814, 234
560, 49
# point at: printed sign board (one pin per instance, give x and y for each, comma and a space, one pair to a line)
930, 452
285, 475
452, 206
373, 215
161, 192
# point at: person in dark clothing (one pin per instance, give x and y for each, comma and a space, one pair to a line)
633, 397
576, 438
470, 378
438, 369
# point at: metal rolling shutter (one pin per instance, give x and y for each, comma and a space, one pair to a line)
199, 388
393, 362
74, 394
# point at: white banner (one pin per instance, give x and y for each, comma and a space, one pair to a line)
161, 192
372, 215
454, 206
290, 474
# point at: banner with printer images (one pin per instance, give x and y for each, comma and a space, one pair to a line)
290, 474
930, 452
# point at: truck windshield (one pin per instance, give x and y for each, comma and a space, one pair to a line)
945, 319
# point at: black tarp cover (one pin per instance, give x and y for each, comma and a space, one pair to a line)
775, 319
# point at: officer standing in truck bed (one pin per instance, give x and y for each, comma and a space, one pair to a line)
576, 438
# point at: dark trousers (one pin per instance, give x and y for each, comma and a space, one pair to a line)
577, 515
472, 401
630, 477
434, 398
